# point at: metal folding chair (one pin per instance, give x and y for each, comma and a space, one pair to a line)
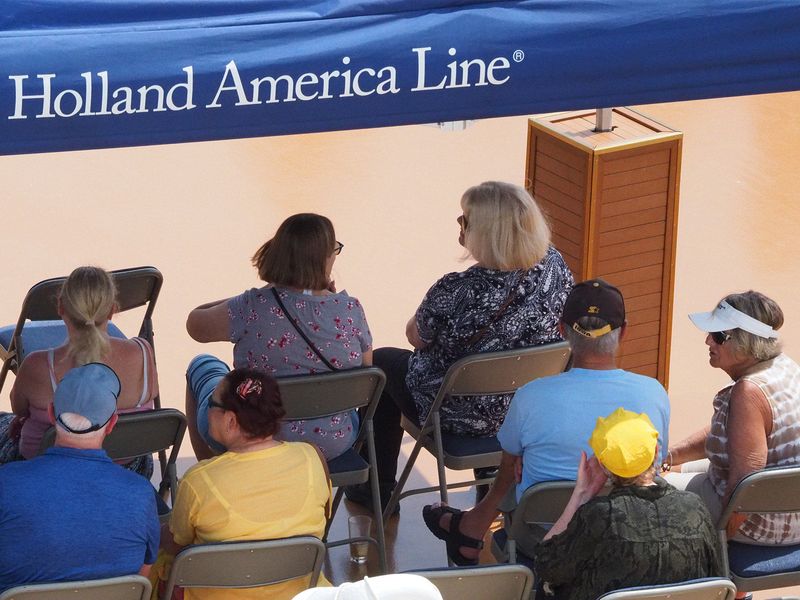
129, 587
712, 588
39, 327
233, 565
753, 568
479, 374
313, 396
510, 582
141, 433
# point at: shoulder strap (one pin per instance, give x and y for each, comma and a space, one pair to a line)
143, 398
300, 331
51, 368
480, 334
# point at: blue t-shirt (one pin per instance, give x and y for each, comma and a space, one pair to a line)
551, 419
71, 515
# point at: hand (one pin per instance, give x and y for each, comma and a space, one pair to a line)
591, 477
518, 469
734, 523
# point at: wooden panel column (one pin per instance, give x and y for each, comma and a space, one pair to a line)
612, 200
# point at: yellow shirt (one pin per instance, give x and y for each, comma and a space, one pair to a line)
278, 492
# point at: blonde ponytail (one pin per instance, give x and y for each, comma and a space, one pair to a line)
87, 299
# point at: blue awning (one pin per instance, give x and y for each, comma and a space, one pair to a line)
108, 73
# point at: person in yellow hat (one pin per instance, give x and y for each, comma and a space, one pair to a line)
643, 532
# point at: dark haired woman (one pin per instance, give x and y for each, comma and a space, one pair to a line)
296, 325
259, 489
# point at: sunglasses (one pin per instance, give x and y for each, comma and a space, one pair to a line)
337, 250
719, 337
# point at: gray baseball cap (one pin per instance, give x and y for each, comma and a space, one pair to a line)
90, 391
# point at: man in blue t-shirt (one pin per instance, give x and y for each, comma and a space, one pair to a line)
72, 514
551, 419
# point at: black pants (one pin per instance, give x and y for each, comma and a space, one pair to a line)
396, 399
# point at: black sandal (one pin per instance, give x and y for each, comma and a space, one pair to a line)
454, 539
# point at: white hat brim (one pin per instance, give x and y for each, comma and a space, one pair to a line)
709, 322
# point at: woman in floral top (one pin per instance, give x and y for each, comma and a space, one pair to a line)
264, 325
512, 298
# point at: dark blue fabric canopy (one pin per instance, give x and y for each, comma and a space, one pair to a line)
107, 73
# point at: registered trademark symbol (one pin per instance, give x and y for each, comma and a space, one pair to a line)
518, 56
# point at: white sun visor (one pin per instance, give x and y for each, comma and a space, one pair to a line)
724, 318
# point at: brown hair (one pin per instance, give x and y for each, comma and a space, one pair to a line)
761, 308
87, 299
297, 255
254, 397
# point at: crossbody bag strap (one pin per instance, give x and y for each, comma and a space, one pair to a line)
300, 331
479, 335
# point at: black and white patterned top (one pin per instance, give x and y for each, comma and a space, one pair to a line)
461, 304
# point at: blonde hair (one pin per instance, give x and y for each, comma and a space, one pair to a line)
87, 299
504, 227
763, 309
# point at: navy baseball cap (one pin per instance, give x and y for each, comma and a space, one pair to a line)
90, 391
594, 298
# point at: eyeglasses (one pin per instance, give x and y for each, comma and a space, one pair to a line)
337, 250
719, 337
214, 404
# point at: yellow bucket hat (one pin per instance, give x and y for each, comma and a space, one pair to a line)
624, 442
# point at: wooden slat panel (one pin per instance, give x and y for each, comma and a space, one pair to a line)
644, 344
566, 187
630, 276
610, 209
640, 288
566, 231
566, 246
626, 192
576, 176
647, 370
632, 233
628, 361
642, 302
640, 217
554, 211
647, 315
543, 192
642, 330
633, 261
616, 163
630, 248
615, 180
562, 152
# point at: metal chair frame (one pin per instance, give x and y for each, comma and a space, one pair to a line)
479, 374
128, 587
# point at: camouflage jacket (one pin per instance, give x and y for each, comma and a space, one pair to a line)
634, 536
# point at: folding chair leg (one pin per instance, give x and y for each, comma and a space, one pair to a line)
377, 516
337, 500
437, 439
398, 489
4, 371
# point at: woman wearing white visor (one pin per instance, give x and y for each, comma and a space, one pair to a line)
756, 421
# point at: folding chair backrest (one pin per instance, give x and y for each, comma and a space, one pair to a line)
326, 394
503, 372
510, 582
774, 490
139, 433
129, 587
540, 504
715, 588
247, 564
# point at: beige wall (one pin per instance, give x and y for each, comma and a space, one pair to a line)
198, 211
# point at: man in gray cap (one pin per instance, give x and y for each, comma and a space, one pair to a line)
71, 514
550, 419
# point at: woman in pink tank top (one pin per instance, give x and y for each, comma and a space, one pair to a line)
86, 302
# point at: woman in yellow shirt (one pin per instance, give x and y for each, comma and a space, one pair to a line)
259, 489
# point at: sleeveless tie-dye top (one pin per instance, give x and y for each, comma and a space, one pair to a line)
779, 380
